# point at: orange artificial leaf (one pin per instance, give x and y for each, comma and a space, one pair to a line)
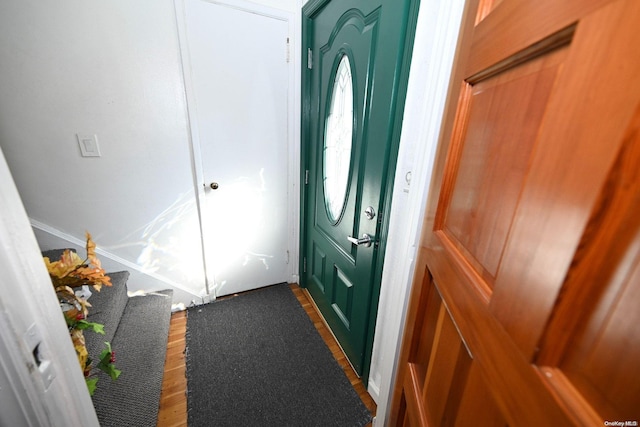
91, 246
68, 262
98, 285
66, 289
91, 251
85, 272
106, 280
57, 268
67, 295
83, 355
94, 261
70, 258
77, 337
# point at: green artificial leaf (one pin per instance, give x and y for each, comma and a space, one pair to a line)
106, 353
92, 383
114, 373
109, 369
70, 322
98, 328
82, 325
105, 364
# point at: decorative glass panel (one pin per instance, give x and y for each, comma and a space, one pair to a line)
338, 140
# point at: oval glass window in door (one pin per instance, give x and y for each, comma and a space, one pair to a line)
338, 141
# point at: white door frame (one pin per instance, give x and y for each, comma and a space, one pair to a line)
433, 54
293, 127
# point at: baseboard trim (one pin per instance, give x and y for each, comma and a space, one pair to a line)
126, 264
374, 390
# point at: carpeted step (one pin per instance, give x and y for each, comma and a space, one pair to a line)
55, 254
138, 329
107, 307
140, 343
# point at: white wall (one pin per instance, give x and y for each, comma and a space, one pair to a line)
110, 68
288, 5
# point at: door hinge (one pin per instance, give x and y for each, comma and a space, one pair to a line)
306, 177
288, 50
304, 264
309, 58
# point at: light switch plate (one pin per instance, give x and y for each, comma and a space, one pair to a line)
88, 145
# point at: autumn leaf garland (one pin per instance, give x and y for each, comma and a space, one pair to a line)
67, 274
73, 271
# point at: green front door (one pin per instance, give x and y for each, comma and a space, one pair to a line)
357, 59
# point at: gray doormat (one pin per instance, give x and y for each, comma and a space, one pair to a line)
257, 360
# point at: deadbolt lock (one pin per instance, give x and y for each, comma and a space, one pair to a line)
369, 212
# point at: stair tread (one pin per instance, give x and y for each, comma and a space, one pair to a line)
138, 329
140, 344
107, 308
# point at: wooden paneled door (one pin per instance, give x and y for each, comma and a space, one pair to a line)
525, 305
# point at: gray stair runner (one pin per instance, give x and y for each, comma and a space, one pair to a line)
138, 329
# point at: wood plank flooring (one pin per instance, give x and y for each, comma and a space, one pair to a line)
310, 308
173, 400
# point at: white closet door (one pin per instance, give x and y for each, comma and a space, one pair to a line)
237, 61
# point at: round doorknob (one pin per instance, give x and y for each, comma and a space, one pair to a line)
214, 185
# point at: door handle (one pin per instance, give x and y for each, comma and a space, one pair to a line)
365, 240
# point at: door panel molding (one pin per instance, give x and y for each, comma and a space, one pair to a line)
506, 19
574, 112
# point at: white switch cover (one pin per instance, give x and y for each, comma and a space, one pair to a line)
88, 145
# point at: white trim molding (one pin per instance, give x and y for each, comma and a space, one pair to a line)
433, 53
51, 238
51, 390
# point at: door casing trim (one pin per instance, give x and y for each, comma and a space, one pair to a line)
435, 45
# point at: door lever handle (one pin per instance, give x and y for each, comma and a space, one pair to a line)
365, 240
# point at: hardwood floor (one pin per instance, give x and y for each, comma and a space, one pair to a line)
309, 307
173, 400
